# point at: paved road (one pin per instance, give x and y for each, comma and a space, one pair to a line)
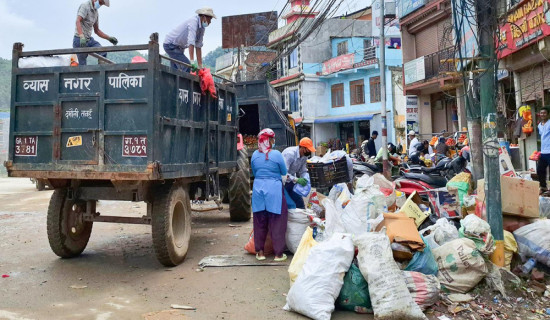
122, 276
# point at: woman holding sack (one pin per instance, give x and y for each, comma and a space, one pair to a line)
268, 202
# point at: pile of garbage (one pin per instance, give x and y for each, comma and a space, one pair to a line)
374, 250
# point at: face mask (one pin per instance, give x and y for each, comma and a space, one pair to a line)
97, 5
205, 24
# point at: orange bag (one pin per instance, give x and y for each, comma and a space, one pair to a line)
268, 247
207, 82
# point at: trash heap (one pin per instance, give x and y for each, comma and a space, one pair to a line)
375, 250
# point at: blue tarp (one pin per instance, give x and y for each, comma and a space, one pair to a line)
349, 118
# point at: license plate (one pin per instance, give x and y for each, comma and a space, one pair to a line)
134, 146
26, 146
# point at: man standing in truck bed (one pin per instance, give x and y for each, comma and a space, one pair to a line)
189, 34
87, 19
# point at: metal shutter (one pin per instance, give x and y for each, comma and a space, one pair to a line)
531, 83
427, 41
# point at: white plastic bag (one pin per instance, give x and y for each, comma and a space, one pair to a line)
367, 204
298, 222
440, 233
42, 62
534, 241
321, 279
461, 265
333, 218
388, 291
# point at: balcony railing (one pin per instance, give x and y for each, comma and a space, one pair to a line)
369, 53
439, 63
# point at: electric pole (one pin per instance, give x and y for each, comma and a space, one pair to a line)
486, 17
382, 68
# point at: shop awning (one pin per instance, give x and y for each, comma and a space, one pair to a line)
345, 118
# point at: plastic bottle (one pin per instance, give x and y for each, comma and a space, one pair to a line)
528, 266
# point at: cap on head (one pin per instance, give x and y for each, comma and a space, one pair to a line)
307, 143
412, 133
207, 12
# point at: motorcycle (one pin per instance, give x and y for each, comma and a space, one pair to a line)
418, 178
361, 168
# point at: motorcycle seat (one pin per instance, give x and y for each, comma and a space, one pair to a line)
433, 180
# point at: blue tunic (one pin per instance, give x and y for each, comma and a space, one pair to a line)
267, 192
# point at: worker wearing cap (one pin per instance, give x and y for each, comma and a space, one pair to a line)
414, 144
190, 35
87, 19
295, 159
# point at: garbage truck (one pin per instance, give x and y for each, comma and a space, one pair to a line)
124, 132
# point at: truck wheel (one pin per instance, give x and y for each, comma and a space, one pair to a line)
240, 199
68, 233
40, 185
171, 224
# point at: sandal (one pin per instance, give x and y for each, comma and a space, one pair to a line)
260, 258
283, 258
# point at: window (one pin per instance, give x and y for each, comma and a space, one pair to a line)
293, 59
357, 91
369, 51
374, 89
343, 48
337, 92
293, 100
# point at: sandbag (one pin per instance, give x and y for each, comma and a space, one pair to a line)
354, 295
320, 281
306, 243
298, 222
43, 62
367, 204
534, 241
424, 289
461, 265
544, 207
388, 291
333, 218
423, 261
268, 246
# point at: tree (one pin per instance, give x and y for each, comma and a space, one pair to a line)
210, 58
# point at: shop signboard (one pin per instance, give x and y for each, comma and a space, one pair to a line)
415, 70
525, 25
342, 62
408, 6
412, 108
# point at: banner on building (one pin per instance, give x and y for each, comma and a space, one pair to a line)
525, 25
414, 70
342, 62
412, 108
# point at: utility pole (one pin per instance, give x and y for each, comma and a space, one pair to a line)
486, 17
473, 116
382, 68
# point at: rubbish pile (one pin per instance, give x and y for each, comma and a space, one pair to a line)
373, 250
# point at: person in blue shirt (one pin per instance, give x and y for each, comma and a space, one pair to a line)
544, 161
269, 207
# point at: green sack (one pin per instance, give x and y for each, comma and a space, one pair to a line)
462, 188
354, 295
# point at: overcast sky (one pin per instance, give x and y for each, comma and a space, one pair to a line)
50, 24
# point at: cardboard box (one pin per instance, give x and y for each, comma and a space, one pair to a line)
505, 163
519, 197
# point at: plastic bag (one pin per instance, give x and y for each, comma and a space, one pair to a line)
424, 289
320, 282
333, 221
42, 62
268, 246
400, 198
510, 247
314, 203
440, 233
544, 207
354, 295
388, 292
534, 241
336, 190
462, 183
479, 231
207, 82
366, 204
298, 221
306, 243
461, 265
423, 261
386, 187
302, 190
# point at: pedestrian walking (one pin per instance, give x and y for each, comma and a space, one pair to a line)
270, 212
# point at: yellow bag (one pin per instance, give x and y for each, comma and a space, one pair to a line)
510, 247
306, 243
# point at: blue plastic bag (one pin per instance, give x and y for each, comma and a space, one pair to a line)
302, 190
423, 261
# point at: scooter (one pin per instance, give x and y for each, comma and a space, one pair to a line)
361, 168
422, 178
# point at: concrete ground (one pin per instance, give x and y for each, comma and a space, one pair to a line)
118, 276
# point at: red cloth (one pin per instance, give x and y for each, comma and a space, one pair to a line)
207, 82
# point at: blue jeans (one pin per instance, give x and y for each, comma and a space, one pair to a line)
542, 169
90, 44
176, 52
